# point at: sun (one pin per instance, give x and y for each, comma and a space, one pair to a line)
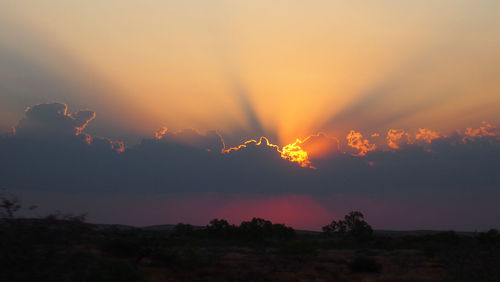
294, 153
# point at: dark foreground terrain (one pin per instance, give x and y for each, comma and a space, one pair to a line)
68, 249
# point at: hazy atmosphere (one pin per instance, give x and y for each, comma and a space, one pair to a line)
156, 112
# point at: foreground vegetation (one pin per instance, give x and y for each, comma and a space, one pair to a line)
65, 248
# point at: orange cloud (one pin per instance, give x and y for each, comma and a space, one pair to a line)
427, 135
356, 141
160, 133
486, 130
395, 138
316, 146
301, 151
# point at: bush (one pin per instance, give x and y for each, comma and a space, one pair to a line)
364, 264
353, 225
283, 232
490, 237
259, 229
220, 228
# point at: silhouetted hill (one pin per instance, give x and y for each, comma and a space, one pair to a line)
120, 227
381, 232
397, 233
162, 227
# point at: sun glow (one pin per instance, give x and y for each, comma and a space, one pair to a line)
252, 142
294, 153
246, 72
305, 152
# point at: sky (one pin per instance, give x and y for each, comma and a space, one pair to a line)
154, 111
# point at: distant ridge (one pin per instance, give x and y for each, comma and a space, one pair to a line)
395, 233
161, 227
385, 233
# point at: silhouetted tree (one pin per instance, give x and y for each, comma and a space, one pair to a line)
256, 229
220, 228
9, 205
259, 229
335, 227
283, 232
353, 225
490, 237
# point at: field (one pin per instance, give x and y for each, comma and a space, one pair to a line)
68, 249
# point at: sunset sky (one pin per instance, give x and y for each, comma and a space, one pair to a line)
389, 107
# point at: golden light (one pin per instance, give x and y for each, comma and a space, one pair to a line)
356, 141
294, 153
252, 142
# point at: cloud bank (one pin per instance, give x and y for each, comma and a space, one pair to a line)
48, 150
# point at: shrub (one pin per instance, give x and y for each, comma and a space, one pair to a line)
283, 232
353, 225
259, 229
490, 237
220, 228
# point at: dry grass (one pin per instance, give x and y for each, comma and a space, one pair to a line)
331, 265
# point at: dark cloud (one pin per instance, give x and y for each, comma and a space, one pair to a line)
187, 160
47, 120
50, 152
35, 68
211, 140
